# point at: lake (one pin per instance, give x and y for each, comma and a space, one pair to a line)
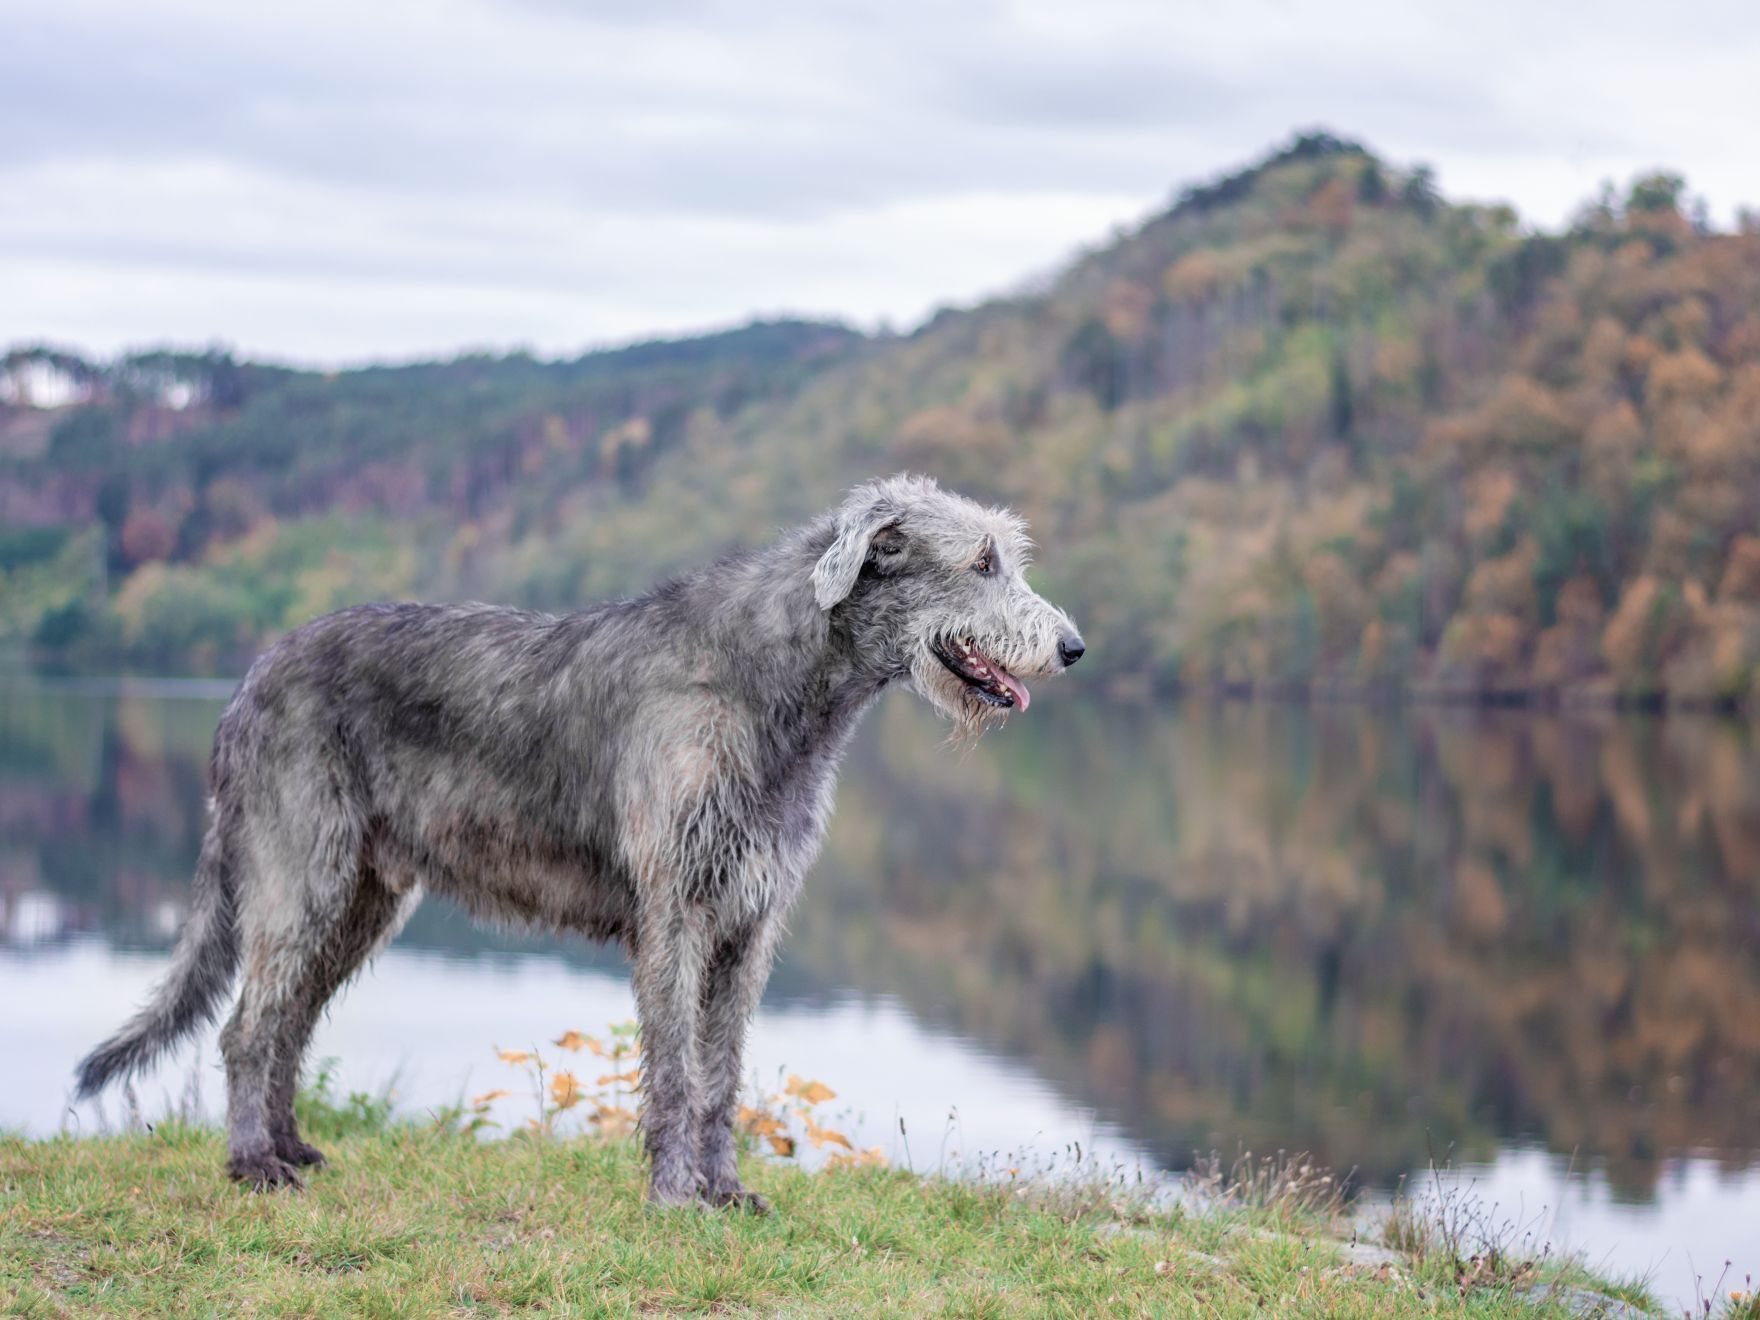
1525, 946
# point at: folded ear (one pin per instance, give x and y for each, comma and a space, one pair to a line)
858, 523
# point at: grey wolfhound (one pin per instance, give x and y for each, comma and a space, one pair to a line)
656, 771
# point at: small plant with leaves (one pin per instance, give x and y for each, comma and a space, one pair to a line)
611, 1106
784, 1118
785, 1122
1726, 1301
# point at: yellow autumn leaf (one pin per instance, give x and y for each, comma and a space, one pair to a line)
783, 1146
515, 1057
571, 1040
629, 1078
756, 1122
489, 1096
811, 1092
565, 1090
824, 1136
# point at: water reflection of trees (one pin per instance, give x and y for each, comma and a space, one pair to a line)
1372, 936
1367, 935
101, 806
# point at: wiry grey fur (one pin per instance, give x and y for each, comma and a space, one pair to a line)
657, 771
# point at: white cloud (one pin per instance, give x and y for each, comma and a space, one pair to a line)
331, 180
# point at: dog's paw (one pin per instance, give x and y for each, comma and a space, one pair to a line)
300, 1153
671, 1198
739, 1198
263, 1172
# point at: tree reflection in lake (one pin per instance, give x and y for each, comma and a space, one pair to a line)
1369, 935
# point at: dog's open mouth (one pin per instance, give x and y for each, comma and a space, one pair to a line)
989, 680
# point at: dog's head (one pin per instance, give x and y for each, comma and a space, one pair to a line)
933, 587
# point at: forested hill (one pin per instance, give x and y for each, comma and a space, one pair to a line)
1314, 427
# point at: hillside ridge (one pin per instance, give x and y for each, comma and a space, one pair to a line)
1311, 428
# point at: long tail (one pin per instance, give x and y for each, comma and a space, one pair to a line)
201, 971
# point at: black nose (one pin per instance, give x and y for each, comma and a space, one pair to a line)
1070, 649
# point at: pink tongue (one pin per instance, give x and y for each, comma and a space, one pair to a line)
1014, 685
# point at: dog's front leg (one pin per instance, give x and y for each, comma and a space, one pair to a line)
737, 973
672, 949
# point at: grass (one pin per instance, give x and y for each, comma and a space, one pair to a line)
425, 1221
428, 1219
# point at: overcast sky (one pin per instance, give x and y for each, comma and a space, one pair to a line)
337, 180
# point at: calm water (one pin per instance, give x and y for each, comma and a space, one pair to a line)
1528, 944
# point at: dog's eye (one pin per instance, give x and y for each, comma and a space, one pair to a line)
983, 566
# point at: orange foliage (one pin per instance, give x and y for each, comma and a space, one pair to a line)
1339, 600
1521, 415
146, 537
1645, 624
1487, 646
1505, 585
1686, 376
1741, 573
1195, 277
1614, 439
1489, 495
1333, 206
1478, 899
927, 437
811, 1093
1126, 310
1579, 603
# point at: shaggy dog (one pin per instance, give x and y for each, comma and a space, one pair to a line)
656, 771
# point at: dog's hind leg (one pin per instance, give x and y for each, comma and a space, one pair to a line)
735, 981
276, 967
302, 874
373, 915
